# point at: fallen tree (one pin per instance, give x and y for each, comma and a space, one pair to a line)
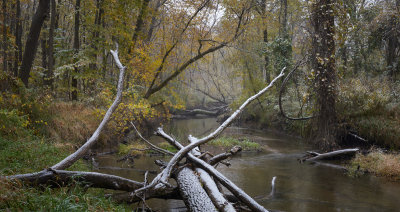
197, 179
314, 156
205, 112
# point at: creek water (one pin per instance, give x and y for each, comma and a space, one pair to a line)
299, 187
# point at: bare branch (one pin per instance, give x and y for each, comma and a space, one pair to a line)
154, 147
218, 158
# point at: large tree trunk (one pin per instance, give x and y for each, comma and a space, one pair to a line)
74, 82
33, 40
323, 61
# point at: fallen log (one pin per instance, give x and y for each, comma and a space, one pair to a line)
128, 197
64, 178
211, 188
192, 192
213, 192
234, 189
329, 155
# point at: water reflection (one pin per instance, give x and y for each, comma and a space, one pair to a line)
299, 187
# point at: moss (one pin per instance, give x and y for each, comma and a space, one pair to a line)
167, 146
379, 163
230, 142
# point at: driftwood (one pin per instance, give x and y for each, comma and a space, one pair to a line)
313, 156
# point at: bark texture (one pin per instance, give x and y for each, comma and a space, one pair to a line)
193, 194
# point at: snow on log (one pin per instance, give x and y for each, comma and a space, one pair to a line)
216, 197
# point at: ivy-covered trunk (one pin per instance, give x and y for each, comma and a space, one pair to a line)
323, 62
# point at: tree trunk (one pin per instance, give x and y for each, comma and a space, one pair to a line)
43, 43
74, 82
33, 40
263, 13
18, 38
5, 36
283, 30
323, 62
50, 71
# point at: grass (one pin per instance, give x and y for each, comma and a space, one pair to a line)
72, 122
34, 154
379, 163
230, 142
14, 197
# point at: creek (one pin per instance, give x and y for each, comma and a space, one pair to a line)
299, 187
